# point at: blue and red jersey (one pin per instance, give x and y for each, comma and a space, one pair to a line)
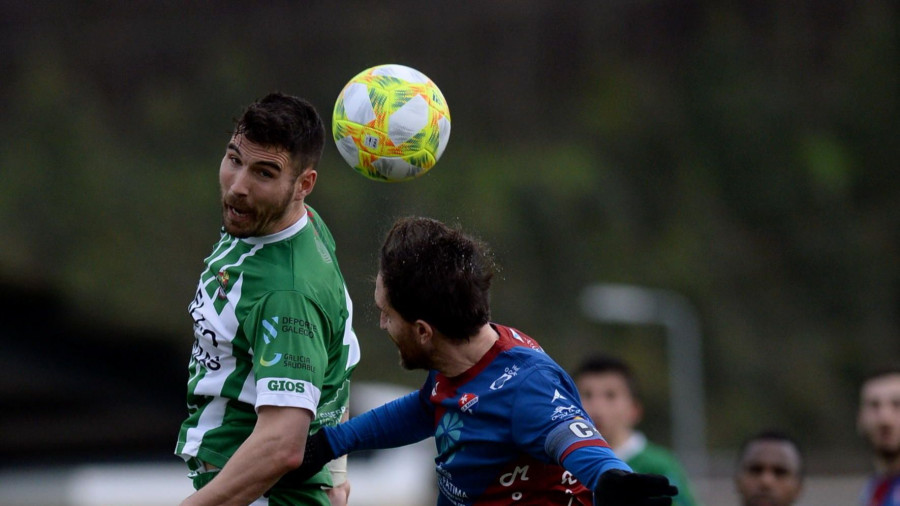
511, 429
882, 491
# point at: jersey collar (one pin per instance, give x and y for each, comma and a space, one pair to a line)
280, 236
632, 446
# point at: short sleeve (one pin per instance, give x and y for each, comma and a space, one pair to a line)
286, 331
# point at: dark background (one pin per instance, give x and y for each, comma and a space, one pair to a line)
742, 154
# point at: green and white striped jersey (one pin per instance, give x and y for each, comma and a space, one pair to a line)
272, 326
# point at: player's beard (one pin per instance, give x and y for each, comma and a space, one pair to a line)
413, 360
257, 218
412, 356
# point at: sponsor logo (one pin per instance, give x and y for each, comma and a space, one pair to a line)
286, 386
467, 402
268, 363
568, 479
508, 479
269, 331
298, 326
451, 491
557, 395
204, 358
271, 327
446, 435
434, 390
565, 412
290, 360
332, 417
196, 311
507, 375
298, 362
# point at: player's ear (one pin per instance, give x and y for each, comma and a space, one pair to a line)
305, 183
637, 412
423, 331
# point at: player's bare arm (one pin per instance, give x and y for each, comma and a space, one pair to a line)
275, 447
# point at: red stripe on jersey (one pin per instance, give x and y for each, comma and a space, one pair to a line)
582, 444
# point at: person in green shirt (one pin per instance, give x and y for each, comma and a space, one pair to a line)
273, 345
610, 395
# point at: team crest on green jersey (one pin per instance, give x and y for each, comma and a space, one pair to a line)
222, 279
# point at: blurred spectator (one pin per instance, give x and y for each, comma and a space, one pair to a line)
879, 424
610, 395
769, 470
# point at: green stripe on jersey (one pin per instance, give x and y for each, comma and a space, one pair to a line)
272, 325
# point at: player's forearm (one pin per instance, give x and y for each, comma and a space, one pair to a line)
273, 448
253, 469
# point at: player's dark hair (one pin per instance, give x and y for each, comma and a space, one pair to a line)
438, 274
606, 364
881, 372
286, 122
777, 436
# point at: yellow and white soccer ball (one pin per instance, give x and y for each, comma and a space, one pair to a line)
391, 123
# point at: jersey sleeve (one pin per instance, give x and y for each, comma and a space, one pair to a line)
400, 422
287, 332
555, 428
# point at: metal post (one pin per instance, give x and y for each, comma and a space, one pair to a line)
628, 304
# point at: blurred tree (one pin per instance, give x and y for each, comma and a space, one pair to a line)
741, 153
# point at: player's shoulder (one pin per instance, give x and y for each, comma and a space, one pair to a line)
512, 338
319, 226
658, 450
657, 459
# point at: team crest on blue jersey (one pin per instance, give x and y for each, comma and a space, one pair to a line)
467, 402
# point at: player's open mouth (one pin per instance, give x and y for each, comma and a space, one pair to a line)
236, 213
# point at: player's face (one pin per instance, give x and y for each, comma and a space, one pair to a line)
401, 332
769, 474
608, 401
879, 415
261, 194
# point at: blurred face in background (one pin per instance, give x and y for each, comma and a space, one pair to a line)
769, 474
610, 404
879, 417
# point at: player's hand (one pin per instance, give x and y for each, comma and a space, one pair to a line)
318, 452
621, 488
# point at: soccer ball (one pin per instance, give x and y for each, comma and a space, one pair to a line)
391, 123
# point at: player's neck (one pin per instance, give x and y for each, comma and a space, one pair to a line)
454, 358
888, 465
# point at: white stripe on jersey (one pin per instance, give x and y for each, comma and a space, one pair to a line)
350, 336
211, 418
231, 245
